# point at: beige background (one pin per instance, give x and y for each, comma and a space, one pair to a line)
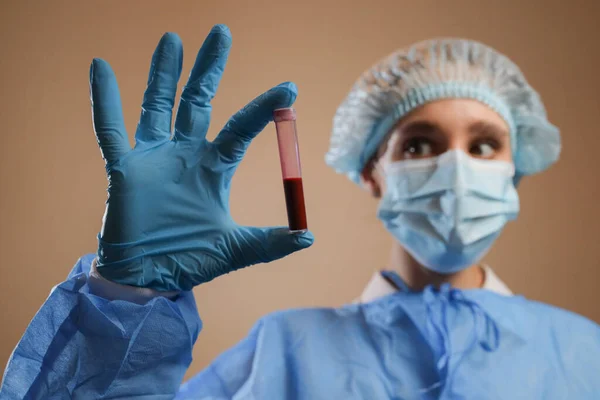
52, 180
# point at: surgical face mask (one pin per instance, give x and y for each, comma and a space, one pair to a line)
447, 211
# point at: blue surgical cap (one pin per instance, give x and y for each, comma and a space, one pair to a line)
433, 70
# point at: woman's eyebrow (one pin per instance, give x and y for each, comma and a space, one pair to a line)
483, 127
418, 128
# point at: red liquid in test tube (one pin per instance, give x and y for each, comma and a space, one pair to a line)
289, 156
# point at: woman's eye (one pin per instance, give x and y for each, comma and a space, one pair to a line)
483, 149
417, 148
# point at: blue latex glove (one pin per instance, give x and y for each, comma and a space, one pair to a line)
167, 224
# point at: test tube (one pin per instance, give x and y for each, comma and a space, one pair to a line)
289, 156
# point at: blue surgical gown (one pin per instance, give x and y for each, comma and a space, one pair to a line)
434, 344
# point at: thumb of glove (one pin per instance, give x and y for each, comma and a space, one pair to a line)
263, 245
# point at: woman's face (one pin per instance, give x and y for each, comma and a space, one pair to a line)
433, 129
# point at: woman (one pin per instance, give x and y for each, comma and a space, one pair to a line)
442, 132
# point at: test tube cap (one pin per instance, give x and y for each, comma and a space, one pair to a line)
284, 114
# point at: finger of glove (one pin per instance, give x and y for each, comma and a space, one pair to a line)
159, 97
107, 112
193, 115
233, 141
262, 245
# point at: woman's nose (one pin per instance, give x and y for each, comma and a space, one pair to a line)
457, 142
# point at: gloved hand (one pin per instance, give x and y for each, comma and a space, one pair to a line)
167, 224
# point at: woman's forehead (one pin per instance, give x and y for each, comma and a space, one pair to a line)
451, 114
